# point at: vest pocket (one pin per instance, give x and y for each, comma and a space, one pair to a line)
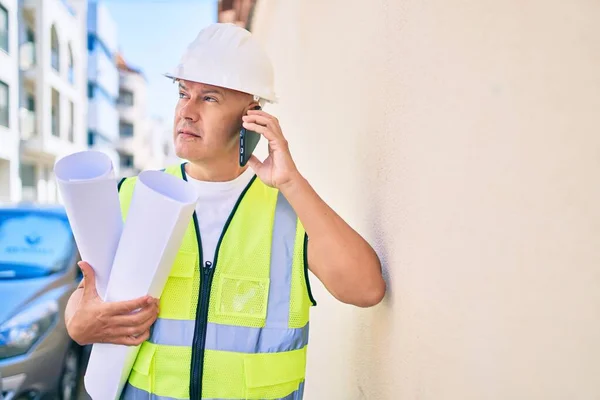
274, 375
244, 297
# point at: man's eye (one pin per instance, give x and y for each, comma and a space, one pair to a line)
181, 95
210, 99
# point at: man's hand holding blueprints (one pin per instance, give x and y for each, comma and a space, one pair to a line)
95, 321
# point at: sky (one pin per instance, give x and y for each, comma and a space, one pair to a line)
152, 37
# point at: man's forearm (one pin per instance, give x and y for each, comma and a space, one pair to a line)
345, 263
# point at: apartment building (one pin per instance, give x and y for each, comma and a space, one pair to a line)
52, 91
135, 145
103, 82
9, 100
61, 91
145, 142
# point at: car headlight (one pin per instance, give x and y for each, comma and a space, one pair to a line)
19, 334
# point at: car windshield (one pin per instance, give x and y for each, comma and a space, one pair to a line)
33, 244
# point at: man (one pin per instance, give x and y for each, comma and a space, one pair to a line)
233, 319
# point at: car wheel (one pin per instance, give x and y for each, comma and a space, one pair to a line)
69, 380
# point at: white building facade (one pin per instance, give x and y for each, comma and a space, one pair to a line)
52, 65
62, 92
9, 100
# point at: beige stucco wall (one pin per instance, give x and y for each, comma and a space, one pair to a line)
461, 138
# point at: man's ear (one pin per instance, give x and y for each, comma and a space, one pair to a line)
252, 106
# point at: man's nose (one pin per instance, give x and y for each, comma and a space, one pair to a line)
189, 112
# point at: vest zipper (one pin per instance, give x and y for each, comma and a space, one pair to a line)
196, 374
207, 272
201, 323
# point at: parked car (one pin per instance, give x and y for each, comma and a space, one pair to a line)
38, 273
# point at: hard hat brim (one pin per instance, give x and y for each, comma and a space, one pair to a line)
268, 98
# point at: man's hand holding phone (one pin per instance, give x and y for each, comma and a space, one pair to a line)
278, 169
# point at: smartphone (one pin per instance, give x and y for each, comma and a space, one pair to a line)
248, 141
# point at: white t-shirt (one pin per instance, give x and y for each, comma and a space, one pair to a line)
214, 206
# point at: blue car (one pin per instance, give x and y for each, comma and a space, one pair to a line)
38, 273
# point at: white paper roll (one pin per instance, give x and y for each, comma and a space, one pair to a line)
160, 211
88, 188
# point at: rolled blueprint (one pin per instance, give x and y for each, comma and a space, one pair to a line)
88, 187
159, 214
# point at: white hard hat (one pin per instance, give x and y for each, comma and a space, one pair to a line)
226, 55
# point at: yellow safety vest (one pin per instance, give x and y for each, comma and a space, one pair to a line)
236, 328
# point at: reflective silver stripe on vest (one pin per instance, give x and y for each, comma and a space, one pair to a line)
282, 257
130, 392
241, 339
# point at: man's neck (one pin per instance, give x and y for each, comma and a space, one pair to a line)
211, 172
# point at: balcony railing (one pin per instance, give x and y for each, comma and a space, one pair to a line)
27, 56
28, 120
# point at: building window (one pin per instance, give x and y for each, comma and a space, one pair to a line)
27, 174
94, 89
3, 28
30, 102
4, 103
98, 139
72, 122
28, 116
55, 113
125, 97
71, 66
125, 129
54, 49
91, 42
29, 35
126, 161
